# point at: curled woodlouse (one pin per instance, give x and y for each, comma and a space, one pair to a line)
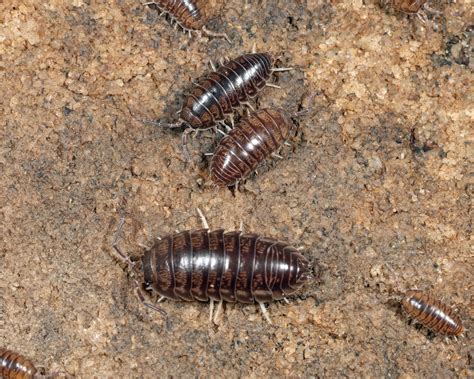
15, 366
431, 313
252, 140
190, 15
221, 266
216, 96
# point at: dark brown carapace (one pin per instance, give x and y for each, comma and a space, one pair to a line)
431, 313
15, 366
216, 96
190, 15
251, 141
409, 6
218, 265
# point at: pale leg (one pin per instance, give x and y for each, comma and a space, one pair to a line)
265, 313
218, 311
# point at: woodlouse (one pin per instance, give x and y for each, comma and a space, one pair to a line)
431, 313
215, 96
221, 266
190, 15
409, 6
15, 366
251, 141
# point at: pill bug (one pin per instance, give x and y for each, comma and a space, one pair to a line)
190, 15
409, 6
215, 96
431, 313
15, 366
250, 142
220, 266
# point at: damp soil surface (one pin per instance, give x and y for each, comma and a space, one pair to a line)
375, 186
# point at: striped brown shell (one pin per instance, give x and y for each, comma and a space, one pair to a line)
219, 265
15, 366
251, 141
431, 313
218, 94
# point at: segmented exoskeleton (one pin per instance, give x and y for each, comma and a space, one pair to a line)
217, 95
431, 313
15, 366
190, 15
221, 266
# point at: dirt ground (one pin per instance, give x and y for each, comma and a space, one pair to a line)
375, 187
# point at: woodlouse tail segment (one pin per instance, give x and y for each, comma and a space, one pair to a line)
216, 34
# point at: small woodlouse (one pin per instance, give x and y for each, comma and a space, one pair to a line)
409, 6
251, 141
216, 96
15, 366
190, 15
221, 266
431, 313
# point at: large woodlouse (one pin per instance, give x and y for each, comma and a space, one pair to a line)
431, 313
215, 97
221, 266
251, 141
190, 15
15, 366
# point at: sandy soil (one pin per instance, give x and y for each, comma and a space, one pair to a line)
376, 187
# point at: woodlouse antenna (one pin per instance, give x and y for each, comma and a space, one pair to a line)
122, 256
310, 107
178, 124
216, 34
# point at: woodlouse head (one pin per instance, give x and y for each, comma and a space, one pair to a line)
303, 271
147, 270
188, 118
411, 299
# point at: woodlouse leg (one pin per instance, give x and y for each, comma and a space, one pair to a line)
247, 104
272, 85
222, 132
215, 34
280, 69
287, 143
286, 300
203, 218
218, 311
212, 66
141, 297
275, 155
265, 313
211, 309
